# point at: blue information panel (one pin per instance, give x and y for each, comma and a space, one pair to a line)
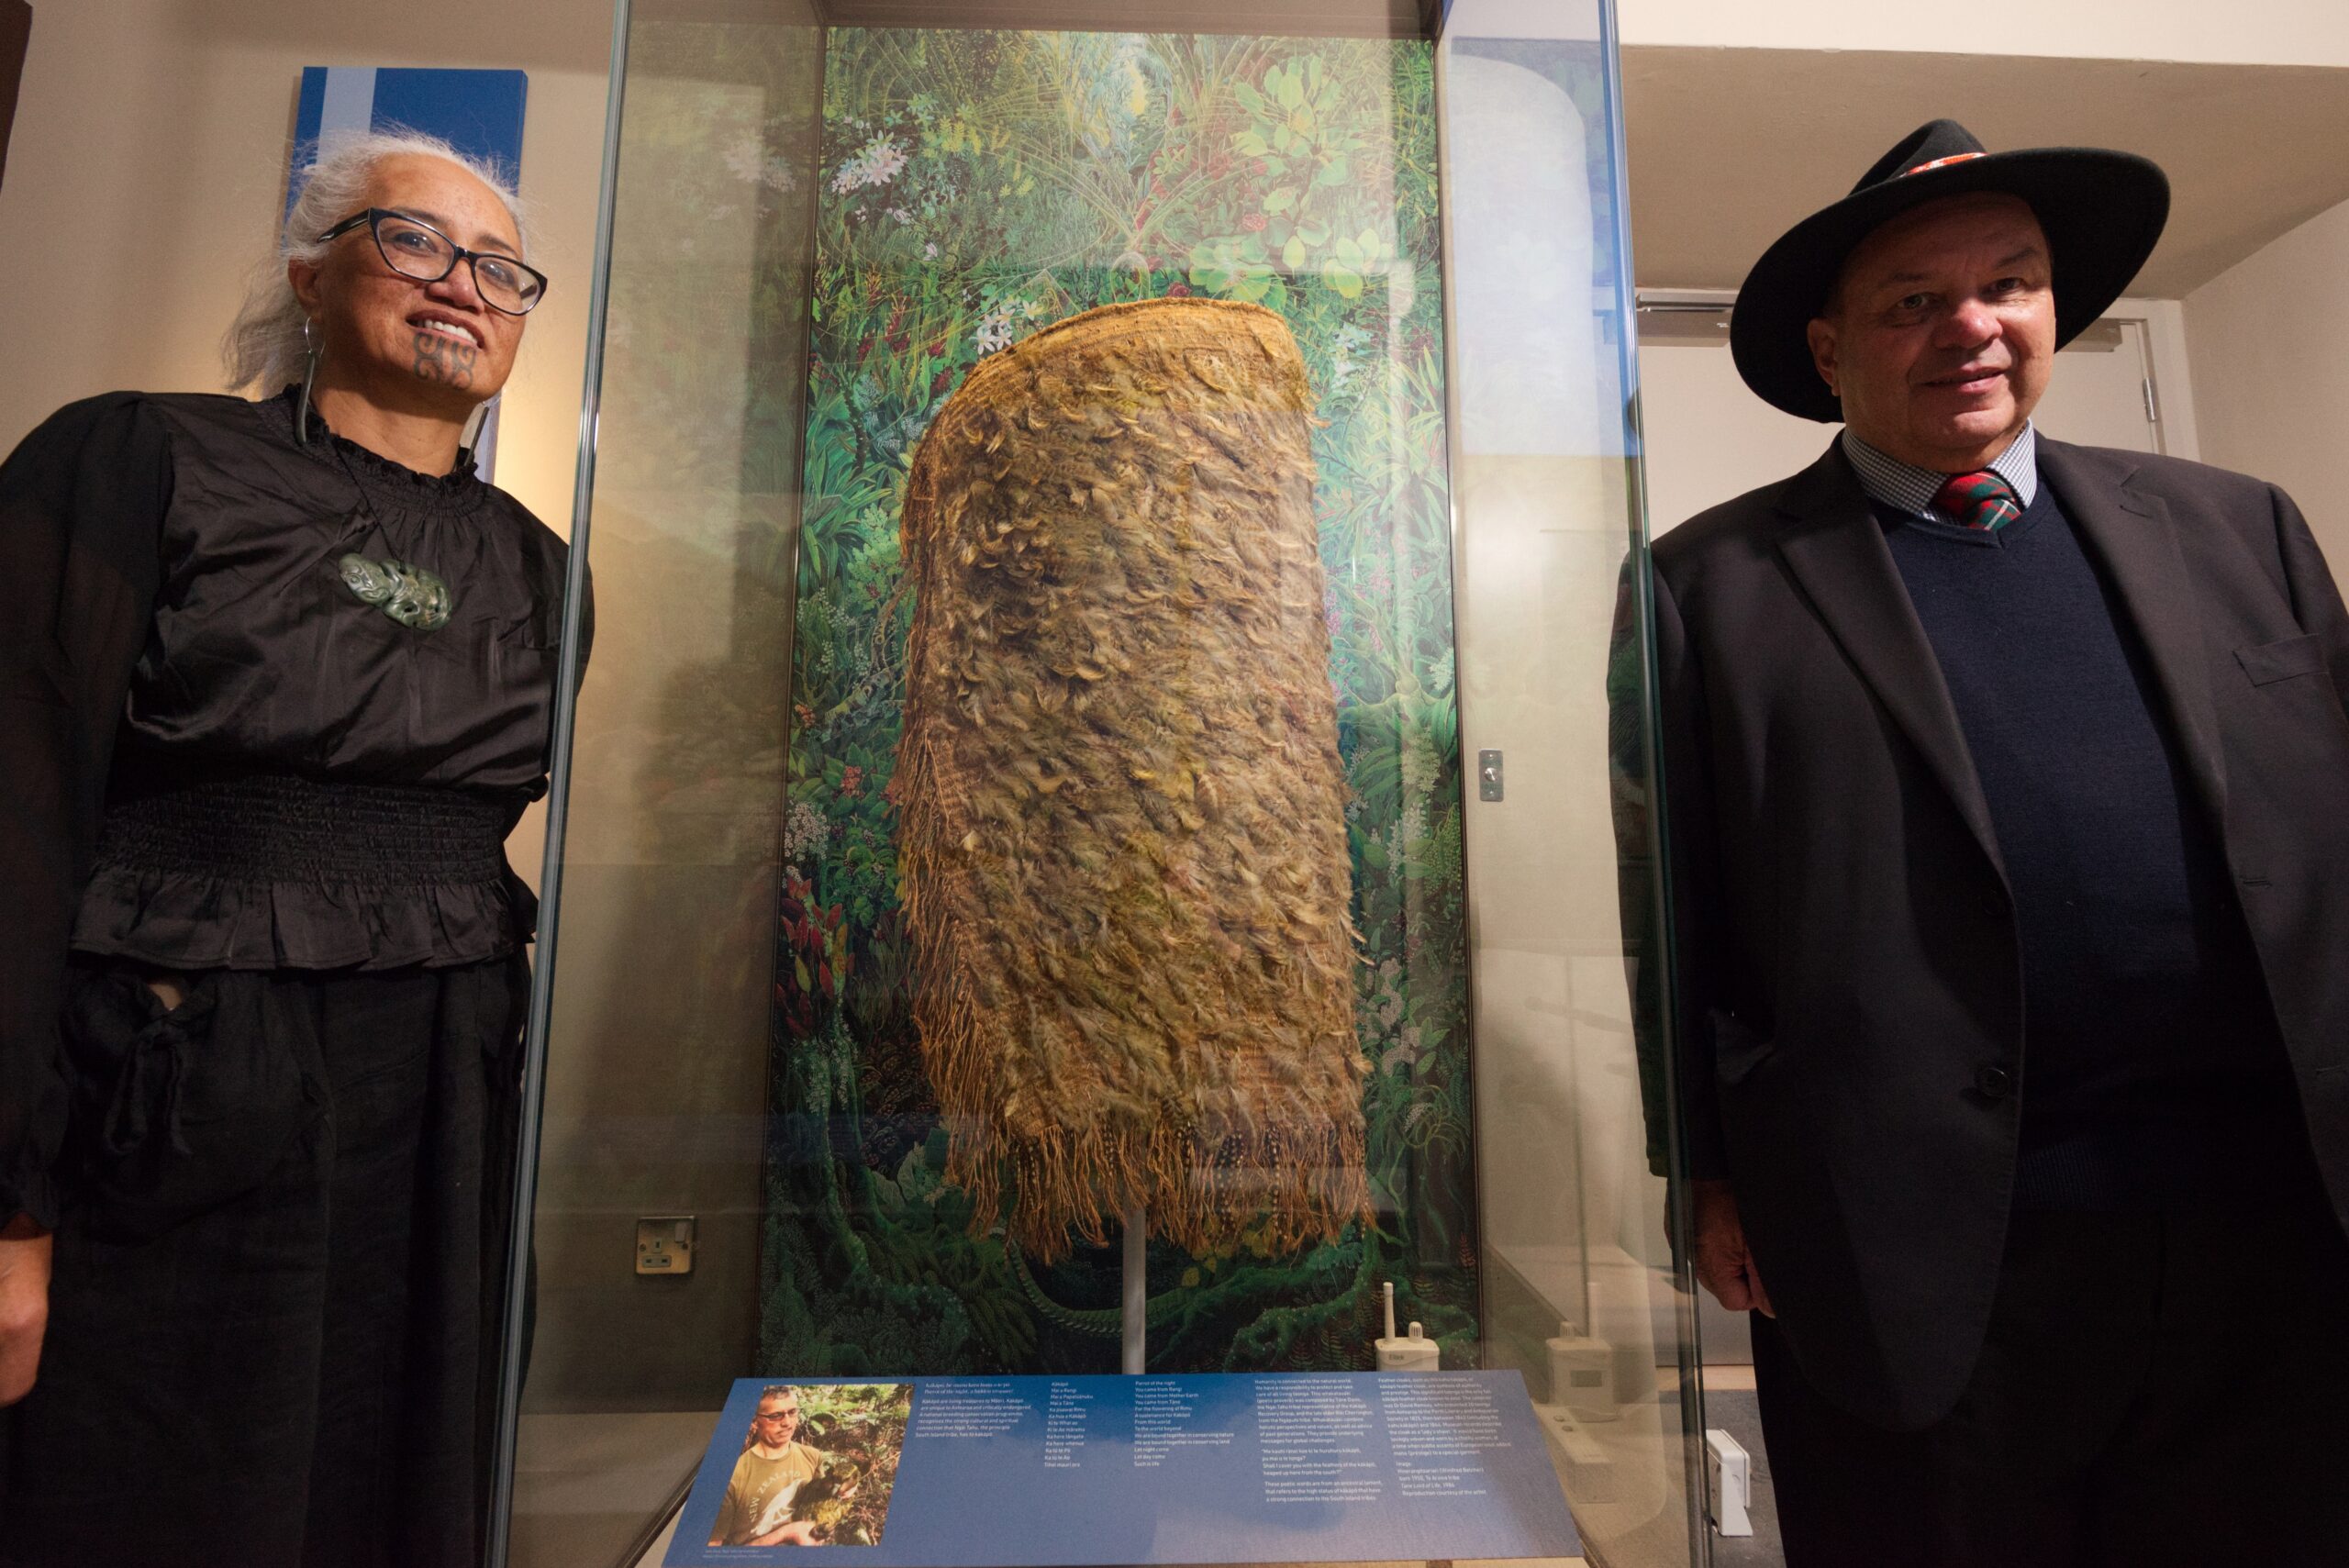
975, 1473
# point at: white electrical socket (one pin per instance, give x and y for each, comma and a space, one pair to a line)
664, 1244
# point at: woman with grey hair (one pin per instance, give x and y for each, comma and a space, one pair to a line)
275, 679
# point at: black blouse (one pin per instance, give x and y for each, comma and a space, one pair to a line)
206, 734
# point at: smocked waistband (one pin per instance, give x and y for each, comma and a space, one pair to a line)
285, 827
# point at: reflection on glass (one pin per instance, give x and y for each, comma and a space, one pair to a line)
977, 187
995, 861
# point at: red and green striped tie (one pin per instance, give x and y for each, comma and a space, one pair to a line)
1980, 500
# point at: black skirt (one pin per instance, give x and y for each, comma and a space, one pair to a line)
278, 1288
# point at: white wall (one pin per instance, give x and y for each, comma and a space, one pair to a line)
2269, 338
2254, 32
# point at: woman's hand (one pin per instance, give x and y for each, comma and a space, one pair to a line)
24, 1305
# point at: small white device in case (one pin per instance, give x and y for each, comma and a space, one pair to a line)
1730, 1469
1582, 1375
1413, 1351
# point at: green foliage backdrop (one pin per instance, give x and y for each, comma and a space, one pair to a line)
972, 187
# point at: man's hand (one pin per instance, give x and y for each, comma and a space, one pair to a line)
1724, 1266
798, 1533
24, 1305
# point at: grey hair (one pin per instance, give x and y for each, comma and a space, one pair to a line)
264, 344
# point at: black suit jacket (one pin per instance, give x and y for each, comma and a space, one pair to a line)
1847, 952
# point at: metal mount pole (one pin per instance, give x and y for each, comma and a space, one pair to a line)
1137, 1293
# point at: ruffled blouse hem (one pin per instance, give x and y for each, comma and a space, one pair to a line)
192, 923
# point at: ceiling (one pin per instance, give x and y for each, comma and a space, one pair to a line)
1728, 148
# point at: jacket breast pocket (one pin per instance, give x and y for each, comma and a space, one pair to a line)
1738, 1049
2268, 663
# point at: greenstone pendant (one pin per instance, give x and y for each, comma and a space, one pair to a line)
409, 595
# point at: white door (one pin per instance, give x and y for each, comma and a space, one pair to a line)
2103, 392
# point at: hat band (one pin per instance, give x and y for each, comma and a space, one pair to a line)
1941, 163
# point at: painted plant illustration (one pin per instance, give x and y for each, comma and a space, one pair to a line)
973, 187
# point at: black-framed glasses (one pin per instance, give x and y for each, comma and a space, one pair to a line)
414, 248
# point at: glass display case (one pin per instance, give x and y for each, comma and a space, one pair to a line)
1105, 828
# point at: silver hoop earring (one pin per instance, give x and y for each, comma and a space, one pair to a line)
309, 374
476, 422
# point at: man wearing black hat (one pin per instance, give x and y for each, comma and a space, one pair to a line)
2007, 790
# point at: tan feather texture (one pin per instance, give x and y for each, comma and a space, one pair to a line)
1123, 846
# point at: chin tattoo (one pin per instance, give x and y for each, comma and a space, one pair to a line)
445, 360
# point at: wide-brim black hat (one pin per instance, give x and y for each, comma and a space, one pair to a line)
2101, 212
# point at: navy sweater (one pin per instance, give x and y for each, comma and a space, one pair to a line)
2151, 1055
